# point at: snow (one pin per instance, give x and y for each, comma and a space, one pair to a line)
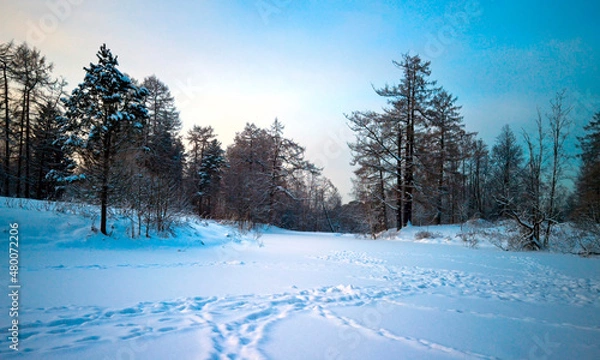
211, 292
71, 178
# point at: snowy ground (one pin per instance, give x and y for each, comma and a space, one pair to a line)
210, 293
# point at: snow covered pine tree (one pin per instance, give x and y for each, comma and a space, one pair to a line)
101, 113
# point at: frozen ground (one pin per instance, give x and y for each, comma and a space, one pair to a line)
210, 293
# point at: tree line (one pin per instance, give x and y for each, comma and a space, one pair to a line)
416, 162
117, 142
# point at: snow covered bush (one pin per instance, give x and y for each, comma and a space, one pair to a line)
588, 239
426, 234
473, 231
470, 237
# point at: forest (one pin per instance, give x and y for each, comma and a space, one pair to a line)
117, 142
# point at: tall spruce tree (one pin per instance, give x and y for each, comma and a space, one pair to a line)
441, 150
410, 102
102, 115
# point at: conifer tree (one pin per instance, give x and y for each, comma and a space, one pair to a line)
506, 158
102, 115
410, 101
199, 139
442, 149
588, 180
32, 75
209, 176
6, 56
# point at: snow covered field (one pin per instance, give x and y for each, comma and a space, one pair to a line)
211, 293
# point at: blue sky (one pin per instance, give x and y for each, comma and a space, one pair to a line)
309, 62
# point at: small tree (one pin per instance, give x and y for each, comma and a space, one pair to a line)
209, 174
101, 113
162, 158
50, 161
587, 209
534, 206
375, 154
506, 159
559, 123
199, 139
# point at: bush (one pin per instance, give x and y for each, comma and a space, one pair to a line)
425, 234
588, 238
470, 238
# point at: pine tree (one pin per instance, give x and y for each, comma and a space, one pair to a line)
409, 101
263, 169
162, 113
588, 180
246, 188
209, 176
284, 159
102, 115
441, 150
375, 155
199, 139
51, 162
162, 160
32, 76
413, 158
479, 169
506, 158
6, 56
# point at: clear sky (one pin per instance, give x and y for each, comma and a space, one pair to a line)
309, 62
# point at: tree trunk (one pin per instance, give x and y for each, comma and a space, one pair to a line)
6, 134
40, 177
104, 188
383, 204
28, 147
409, 168
399, 184
477, 186
441, 180
20, 152
103, 206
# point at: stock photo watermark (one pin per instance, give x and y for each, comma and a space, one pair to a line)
14, 286
542, 348
333, 147
131, 349
185, 92
350, 337
586, 102
57, 12
268, 8
454, 24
